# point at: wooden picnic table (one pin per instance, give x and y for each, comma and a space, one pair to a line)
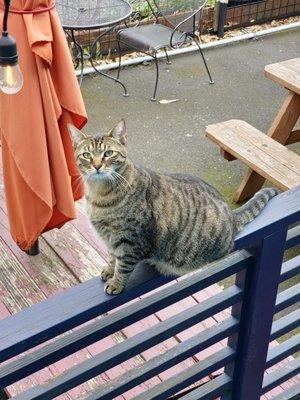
265, 158
287, 75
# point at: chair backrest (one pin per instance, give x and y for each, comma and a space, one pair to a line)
182, 14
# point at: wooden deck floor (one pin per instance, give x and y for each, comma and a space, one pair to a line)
68, 256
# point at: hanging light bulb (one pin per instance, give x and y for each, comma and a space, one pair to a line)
11, 78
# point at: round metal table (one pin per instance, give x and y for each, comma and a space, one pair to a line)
79, 15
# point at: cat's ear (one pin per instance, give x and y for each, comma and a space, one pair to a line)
119, 132
76, 135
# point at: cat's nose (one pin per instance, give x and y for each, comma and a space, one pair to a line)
97, 167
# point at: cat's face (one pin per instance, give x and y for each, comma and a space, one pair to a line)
100, 157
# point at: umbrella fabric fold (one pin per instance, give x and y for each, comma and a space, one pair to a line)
41, 179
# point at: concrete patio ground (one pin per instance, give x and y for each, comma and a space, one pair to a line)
170, 137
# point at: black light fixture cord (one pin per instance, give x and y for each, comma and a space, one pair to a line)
6, 10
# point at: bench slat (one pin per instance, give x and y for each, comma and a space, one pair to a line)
265, 156
286, 73
122, 351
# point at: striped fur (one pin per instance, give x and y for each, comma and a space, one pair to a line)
254, 206
177, 222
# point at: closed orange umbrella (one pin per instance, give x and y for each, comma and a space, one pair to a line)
41, 179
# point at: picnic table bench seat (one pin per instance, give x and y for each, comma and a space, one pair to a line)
78, 309
270, 159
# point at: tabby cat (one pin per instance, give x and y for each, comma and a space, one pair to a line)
177, 222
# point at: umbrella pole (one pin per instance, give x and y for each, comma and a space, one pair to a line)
34, 250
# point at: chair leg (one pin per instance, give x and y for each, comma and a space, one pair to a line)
157, 77
167, 57
204, 61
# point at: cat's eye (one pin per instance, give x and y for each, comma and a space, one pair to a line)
87, 155
108, 153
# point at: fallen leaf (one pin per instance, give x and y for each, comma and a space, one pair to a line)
168, 101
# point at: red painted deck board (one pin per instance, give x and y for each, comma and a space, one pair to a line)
23, 292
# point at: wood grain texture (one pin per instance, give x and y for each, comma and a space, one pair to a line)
265, 156
15, 306
251, 183
285, 73
83, 225
281, 131
285, 119
80, 257
294, 137
18, 290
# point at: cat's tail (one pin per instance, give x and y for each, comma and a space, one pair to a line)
254, 206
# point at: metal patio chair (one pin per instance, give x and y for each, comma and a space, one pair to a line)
175, 23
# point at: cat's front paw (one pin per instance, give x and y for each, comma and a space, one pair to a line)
113, 287
107, 272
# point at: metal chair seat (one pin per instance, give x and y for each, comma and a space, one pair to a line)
181, 21
151, 37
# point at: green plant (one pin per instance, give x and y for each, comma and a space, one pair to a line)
142, 7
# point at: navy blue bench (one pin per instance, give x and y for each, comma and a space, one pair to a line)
258, 265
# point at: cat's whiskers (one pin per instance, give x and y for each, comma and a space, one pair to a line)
116, 179
120, 181
122, 178
82, 178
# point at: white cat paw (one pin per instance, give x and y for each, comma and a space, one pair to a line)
113, 287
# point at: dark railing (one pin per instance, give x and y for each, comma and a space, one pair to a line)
258, 267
